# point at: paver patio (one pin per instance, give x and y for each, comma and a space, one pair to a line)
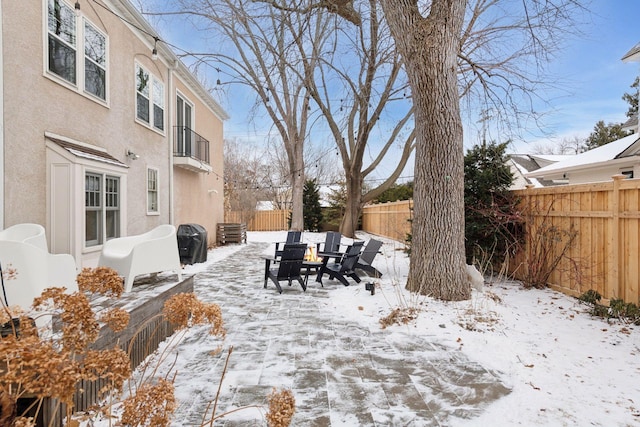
341, 373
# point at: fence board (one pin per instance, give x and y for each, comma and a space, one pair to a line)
392, 219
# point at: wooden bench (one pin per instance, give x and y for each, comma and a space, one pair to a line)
231, 233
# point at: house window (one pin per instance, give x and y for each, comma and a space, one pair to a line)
158, 105
102, 208
95, 59
148, 89
67, 41
152, 190
62, 40
627, 174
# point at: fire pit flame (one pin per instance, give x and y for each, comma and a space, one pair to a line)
311, 255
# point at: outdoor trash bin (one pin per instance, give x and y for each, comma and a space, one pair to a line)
192, 243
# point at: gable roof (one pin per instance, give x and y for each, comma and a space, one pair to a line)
633, 54
626, 147
524, 163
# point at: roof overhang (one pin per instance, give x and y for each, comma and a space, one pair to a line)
633, 55
84, 151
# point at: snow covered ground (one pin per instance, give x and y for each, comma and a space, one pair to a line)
562, 366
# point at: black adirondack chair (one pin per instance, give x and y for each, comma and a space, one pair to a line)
289, 266
331, 242
292, 237
345, 268
365, 262
330, 246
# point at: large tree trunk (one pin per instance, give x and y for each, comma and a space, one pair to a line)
296, 166
353, 207
429, 47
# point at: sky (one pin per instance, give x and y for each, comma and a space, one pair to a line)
597, 77
561, 366
589, 65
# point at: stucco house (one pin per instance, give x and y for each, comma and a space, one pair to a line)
105, 132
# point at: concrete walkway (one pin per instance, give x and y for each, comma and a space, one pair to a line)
341, 374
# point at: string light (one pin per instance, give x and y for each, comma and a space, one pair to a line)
154, 52
185, 52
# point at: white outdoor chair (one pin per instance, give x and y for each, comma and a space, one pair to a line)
35, 270
150, 252
26, 233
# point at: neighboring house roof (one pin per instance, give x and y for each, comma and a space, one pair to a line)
547, 159
265, 205
631, 124
626, 147
524, 163
633, 54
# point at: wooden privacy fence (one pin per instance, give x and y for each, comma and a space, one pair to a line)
605, 217
392, 219
275, 220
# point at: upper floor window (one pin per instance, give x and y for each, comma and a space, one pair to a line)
149, 98
67, 41
95, 61
62, 40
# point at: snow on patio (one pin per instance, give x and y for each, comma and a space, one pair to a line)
508, 356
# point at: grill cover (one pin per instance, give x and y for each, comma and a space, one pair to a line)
192, 243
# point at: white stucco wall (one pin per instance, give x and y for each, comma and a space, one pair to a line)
36, 102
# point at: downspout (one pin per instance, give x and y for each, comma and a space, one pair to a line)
2, 176
170, 104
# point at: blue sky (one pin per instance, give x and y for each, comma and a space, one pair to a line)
597, 77
590, 65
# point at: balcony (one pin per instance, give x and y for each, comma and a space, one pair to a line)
190, 150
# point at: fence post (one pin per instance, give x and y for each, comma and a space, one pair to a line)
531, 218
614, 271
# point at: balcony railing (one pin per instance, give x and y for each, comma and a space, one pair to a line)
190, 150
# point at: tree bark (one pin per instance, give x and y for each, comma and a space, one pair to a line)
353, 206
297, 183
429, 47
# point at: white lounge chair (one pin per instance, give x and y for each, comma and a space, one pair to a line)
150, 252
35, 270
26, 233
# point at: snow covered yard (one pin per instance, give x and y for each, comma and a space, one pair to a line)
544, 359
564, 367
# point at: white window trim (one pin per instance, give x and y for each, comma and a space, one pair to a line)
103, 209
157, 191
153, 78
106, 65
80, 56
